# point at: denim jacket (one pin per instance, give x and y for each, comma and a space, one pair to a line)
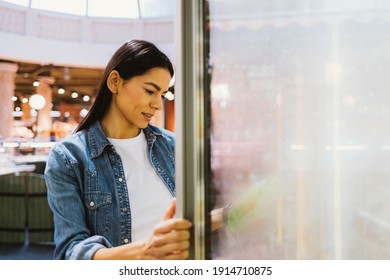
87, 189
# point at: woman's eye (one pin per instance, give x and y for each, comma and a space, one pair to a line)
149, 91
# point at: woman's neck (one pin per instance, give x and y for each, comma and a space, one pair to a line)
116, 127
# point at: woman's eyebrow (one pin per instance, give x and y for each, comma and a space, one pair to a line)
153, 85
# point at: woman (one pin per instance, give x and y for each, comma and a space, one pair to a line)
111, 185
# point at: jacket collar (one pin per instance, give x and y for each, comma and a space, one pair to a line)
98, 140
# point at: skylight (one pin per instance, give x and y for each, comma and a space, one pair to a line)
110, 9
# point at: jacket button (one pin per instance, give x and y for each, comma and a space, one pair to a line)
91, 203
124, 209
120, 179
125, 240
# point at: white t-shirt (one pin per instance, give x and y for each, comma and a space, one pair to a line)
149, 197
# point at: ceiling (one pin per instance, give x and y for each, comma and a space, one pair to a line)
84, 81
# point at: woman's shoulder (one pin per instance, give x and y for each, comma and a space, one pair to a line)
77, 138
161, 131
71, 145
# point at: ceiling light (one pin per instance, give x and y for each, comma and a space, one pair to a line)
17, 114
35, 83
55, 114
74, 94
86, 98
14, 98
37, 101
83, 113
61, 90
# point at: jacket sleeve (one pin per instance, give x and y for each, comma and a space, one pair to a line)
72, 237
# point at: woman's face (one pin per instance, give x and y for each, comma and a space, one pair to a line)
140, 97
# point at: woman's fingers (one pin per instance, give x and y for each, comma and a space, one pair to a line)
170, 213
174, 236
168, 249
170, 240
172, 224
183, 255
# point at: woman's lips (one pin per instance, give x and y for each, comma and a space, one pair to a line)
147, 116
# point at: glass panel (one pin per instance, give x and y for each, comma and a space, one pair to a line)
113, 8
76, 7
299, 131
18, 2
157, 8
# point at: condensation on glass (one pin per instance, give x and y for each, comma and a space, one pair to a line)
300, 138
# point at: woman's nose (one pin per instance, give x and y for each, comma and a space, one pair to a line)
157, 103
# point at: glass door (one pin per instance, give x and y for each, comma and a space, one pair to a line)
300, 128
283, 121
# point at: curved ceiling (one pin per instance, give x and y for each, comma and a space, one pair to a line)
134, 9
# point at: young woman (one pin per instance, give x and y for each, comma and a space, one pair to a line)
111, 185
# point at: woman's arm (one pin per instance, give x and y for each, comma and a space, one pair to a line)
72, 237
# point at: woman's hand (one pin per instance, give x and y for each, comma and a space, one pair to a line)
170, 238
169, 241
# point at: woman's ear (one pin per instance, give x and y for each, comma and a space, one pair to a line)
113, 81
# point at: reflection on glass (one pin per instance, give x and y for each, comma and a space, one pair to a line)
300, 145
